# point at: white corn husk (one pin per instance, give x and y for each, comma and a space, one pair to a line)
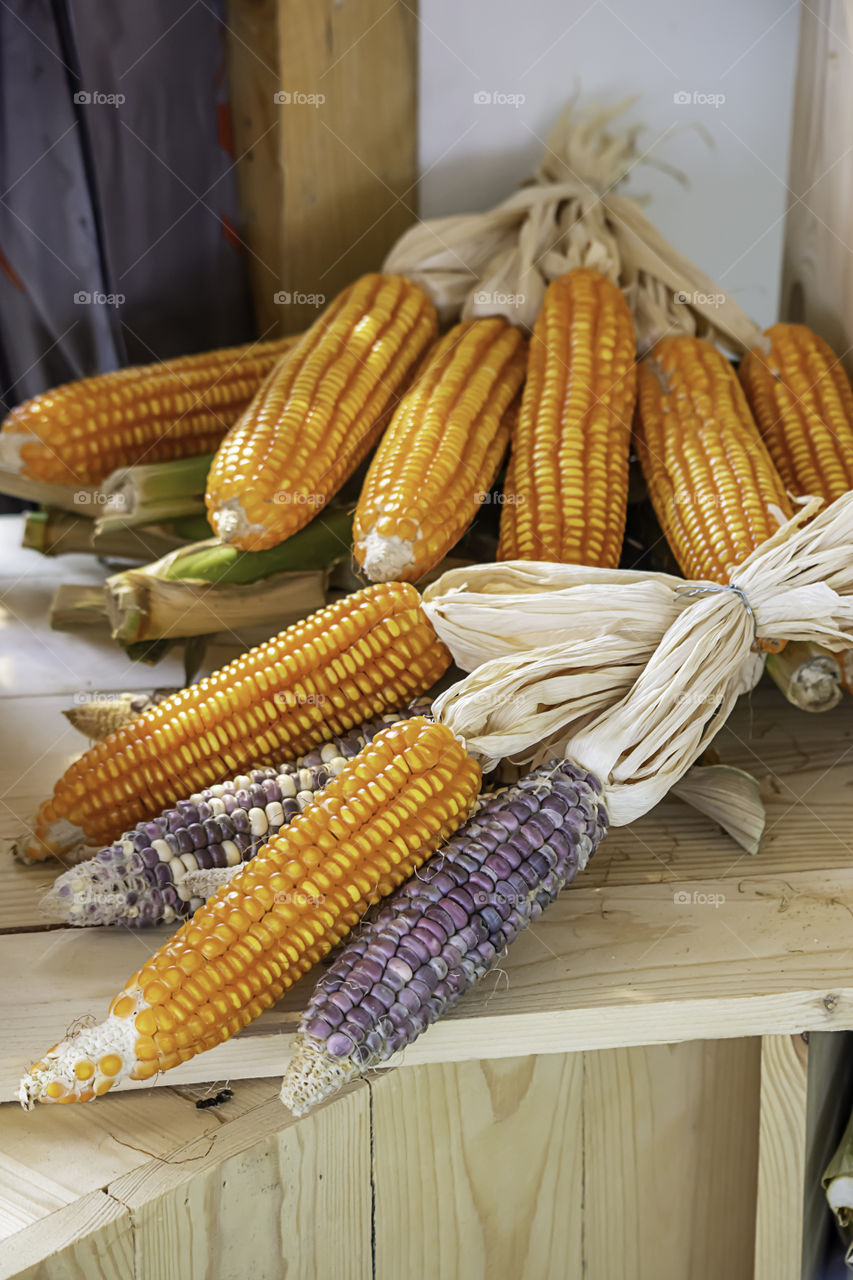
648, 667
569, 215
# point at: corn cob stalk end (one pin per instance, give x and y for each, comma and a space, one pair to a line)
51, 838
313, 1075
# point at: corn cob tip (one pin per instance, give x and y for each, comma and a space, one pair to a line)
57, 838
11, 444
313, 1075
83, 1066
385, 559
230, 522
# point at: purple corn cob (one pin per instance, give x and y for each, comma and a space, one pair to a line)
443, 930
162, 871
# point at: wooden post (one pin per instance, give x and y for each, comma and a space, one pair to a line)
324, 104
817, 270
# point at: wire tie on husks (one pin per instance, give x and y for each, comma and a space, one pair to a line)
722, 586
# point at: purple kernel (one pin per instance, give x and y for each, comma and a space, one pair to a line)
418, 988
428, 976
442, 918
185, 844
397, 971
383, 993
428, 939
339, 1045
461, 896
204, 811
373, 1006
319, 1028
456, 911
501, 866
409, 998
360, 1018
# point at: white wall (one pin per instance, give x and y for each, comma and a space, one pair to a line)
730, 217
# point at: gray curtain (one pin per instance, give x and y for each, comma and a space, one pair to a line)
119, 218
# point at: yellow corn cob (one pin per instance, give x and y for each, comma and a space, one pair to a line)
802, 401
312, 424
712, 482
440, 452
80, 432
566, 493
385, 813
363, 655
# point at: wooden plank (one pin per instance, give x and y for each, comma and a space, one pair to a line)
482, 1162
328, 170
817, 276
306, 1186
253, 78
604, 967
781, 1158
670, 1154
91, 1239
51, 1159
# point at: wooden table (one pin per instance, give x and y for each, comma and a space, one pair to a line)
628, 1093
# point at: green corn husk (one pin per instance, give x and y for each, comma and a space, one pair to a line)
208, 587
58, 533
320, 545
150, 493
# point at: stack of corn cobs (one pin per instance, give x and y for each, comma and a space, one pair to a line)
270, 806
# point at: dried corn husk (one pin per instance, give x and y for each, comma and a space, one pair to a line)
648, 667
569, 215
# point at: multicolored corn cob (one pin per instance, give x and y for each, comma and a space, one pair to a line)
712, 482
566, 493
81, 432
163, 870
372, 826
445, 928
320, 413
441, 451
366, 653
802, 400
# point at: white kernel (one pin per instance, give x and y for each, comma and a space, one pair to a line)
286, 784
337, 766
242, 783
164, 853
189, 862
232, 853
275, 815
217, 806
328, 752
258, 822
304, 798
216, 791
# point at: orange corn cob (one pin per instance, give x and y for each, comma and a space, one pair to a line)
385, 813
441, 451
82, 431
566, 493
365, 654
320, 414
802, 401
712, 482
